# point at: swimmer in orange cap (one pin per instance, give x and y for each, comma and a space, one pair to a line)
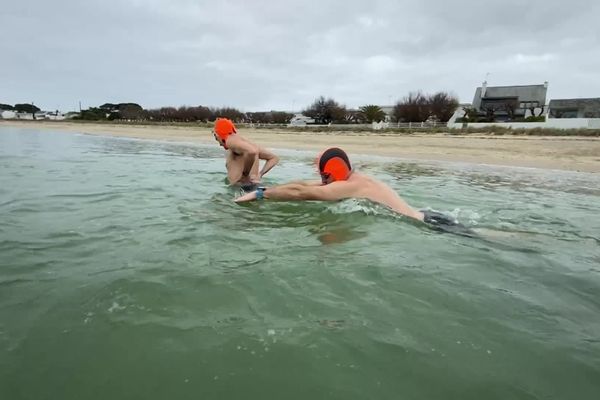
243, 157
338, 182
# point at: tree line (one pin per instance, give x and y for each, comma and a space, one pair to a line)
20, 108
133, 111
416, 107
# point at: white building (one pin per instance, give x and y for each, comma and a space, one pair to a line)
55, 116
7, 114
301, 120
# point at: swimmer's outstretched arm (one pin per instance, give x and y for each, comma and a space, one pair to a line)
307, 183
296, 191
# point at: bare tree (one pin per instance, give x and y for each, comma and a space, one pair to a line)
490, 111
281, 117
271, 117
532, 110
201, 113
259, 117
510, 108
490, 107
470, 115
412, 108
229, 112
325, 111
442, 105
131, 111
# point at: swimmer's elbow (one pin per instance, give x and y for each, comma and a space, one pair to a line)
251, 153
298, 192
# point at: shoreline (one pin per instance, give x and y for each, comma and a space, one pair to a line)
570, 153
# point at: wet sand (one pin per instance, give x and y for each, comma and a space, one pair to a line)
563, 153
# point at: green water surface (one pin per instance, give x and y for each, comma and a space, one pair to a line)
127, 272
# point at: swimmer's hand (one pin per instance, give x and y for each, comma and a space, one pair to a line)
247, 197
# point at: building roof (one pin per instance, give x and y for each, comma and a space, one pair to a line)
389, 110
525, 93
575, 103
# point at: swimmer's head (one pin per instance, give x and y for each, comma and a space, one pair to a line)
222, 130
334, 165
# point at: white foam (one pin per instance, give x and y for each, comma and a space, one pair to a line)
115, 307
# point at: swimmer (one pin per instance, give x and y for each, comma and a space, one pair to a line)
243, 157
339, 181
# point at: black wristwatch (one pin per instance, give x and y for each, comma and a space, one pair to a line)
260, 192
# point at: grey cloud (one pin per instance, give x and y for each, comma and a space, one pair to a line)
272, 54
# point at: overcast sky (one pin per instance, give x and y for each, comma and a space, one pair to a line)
266, 54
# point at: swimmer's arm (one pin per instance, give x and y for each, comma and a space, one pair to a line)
294, 191
308, 183
271, 159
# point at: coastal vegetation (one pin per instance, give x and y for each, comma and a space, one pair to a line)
414, 108
419, 107
26, 108
416, 113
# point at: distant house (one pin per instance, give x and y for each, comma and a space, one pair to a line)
8, 114
21, 115
509, 102
55, 116
301, 120
389, 112
574, 108
353, 115
72, 114
51, 115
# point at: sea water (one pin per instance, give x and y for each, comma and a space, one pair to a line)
128, 272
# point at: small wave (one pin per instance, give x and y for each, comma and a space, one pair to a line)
65, 235
68, 240
25, 210
97, 197
359, 206
80, 195
9, 202
465, 217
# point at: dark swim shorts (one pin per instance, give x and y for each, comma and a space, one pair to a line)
444, 223
249, 187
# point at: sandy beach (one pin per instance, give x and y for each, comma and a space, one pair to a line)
563, 153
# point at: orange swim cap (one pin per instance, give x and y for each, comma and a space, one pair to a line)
224, 128
334, 164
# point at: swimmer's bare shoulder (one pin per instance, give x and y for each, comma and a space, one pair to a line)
342, 189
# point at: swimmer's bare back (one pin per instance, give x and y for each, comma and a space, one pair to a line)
235, 169
366, 187
357, 186
243, 161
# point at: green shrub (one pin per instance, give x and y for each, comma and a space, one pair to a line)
533, 118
